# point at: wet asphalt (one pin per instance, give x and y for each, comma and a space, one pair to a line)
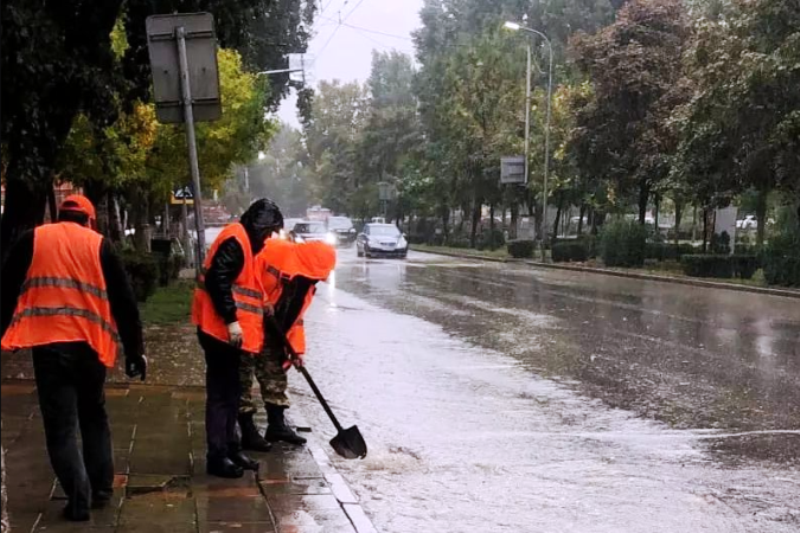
504, 398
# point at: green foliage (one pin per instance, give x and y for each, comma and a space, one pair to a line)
567, 251
143, 272
521, 249
720, 266
721, 243
168, 305
488, 240
622, 244
781, 257
667, 251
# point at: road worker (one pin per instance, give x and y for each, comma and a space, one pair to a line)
289, 273
66, 295
228, 312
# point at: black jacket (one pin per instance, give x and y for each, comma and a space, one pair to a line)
259, 221
120, 294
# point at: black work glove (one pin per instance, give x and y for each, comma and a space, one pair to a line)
136, 366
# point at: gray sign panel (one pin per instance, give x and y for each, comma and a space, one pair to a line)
201, 51
512, 169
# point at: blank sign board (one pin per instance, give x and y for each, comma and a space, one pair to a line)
512, 169
201, 53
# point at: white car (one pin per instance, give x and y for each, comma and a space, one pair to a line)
381, 240
748, 222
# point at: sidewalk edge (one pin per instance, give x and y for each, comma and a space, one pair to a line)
786, 293
348, 501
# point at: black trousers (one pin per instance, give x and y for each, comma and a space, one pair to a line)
222, 396
70, 380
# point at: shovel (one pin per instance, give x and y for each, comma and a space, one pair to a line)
348, 442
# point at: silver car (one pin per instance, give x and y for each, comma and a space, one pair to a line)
381, 240
312, 231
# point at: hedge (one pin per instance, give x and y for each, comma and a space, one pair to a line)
720, 266
666, 251
521, 249
781, 260
143, 272
566, 251
622, 244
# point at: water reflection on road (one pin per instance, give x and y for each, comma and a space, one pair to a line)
497, 398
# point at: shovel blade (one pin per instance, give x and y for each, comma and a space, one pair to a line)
350, 444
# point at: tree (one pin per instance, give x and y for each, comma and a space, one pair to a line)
742, 128
635, 68
282, 175
59, 60
331, 137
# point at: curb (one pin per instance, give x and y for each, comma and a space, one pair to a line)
348, 501
786, 293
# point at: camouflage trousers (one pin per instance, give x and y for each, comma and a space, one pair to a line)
271, 377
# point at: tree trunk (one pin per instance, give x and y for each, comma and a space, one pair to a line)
513, 231
656, 215
140, 214
581, 213
51, 203
678, 216
114, 223
705, 229
476, 218
761, 218
557, 221
491, 226
644, 195
24, 209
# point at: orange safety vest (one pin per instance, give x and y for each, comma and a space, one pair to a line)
64, 296
247, 293
279, 262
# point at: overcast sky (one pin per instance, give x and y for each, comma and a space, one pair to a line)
344, 51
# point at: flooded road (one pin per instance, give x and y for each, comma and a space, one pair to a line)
500, 398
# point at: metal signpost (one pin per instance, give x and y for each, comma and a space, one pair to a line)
183, 59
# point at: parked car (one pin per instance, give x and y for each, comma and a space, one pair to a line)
381, 240
344, 230
312, 231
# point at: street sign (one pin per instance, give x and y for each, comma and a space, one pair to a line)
386, 191
201, 54
181, 196
297, 67
512, 170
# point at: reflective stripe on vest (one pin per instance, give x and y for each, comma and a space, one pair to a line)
67, 311
241, 291
246, 292
64, 297
66, 283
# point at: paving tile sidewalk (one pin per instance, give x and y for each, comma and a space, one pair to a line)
161, 486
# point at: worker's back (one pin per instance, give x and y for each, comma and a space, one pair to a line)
64, 296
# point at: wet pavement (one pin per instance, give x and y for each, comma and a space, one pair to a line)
493, 397
503, 398
160, 482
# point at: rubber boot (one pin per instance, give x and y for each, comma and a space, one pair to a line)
277, 430
223, 467
251, 438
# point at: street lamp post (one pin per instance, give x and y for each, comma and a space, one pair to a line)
518, 27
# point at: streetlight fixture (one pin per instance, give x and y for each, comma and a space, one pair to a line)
518, 27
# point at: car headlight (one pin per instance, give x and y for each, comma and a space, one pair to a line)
401, 242
298, 238
331, 239
352, 230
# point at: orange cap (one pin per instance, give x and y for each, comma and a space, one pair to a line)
79, 204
